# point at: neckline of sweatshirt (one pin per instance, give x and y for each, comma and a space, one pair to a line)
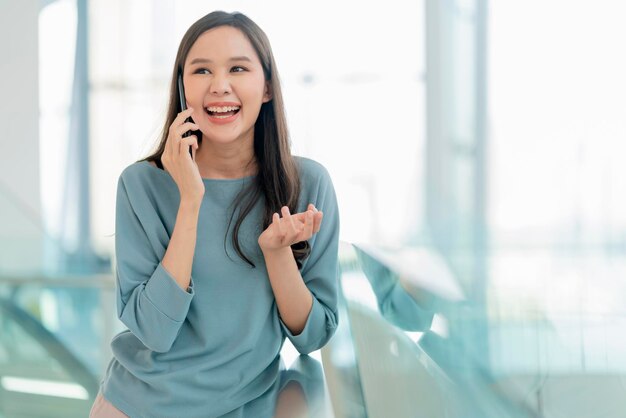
206, 180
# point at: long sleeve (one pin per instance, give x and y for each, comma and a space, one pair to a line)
394, 303
320, 272
149, 301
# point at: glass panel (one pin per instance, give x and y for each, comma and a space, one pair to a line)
38, 375
409, 313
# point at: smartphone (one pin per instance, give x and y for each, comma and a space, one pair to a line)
183, 106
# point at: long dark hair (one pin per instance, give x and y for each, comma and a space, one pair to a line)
278, 177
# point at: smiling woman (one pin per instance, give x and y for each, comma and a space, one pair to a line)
191, 348
224, 77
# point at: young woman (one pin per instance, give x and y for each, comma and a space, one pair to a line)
221, 253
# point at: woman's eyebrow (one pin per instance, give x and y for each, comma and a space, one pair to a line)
206, 60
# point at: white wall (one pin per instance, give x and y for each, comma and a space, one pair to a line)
20, 203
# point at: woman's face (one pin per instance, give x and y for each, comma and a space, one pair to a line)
225, 85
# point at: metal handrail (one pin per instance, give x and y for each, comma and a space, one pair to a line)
104, 283
57, 350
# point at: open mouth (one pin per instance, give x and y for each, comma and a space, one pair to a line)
222, 112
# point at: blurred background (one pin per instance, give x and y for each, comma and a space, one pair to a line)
475, 150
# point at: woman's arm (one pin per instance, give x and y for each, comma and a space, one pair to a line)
293, 298
178, 257
152, 301
307, 299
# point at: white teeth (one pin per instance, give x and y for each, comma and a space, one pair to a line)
222, 109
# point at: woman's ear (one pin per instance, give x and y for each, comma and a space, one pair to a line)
267, 94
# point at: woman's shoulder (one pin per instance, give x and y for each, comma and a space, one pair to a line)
311, 168
314, 178
142, 175
142, 169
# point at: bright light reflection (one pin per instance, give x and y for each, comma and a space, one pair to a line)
43, 387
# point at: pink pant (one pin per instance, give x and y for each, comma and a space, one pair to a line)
104, 409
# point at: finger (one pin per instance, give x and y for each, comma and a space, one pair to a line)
180, 118
187, 126
171, 143
318, 222
317, 218
299, 218
279, 223
276, 221
193, 149
299, 221
308, 225
291, 226
185, 143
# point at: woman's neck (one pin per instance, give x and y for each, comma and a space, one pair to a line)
225, 162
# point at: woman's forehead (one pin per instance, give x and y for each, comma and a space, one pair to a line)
222, 44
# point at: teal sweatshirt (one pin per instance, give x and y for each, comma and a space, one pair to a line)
206, 351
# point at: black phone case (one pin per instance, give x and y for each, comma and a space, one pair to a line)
183, 106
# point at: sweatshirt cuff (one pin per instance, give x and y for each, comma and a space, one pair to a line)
313, 332
167, 296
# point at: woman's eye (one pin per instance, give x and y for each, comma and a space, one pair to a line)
200, 70
238, 69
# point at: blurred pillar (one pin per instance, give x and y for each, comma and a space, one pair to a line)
76, 220
456, 178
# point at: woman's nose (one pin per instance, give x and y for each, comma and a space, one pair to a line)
220, 85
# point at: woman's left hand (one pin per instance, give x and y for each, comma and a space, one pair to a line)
290, 229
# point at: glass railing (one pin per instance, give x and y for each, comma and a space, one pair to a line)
38, 374
424, 348
55, 328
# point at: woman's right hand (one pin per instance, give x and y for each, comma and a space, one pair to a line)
177, 161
